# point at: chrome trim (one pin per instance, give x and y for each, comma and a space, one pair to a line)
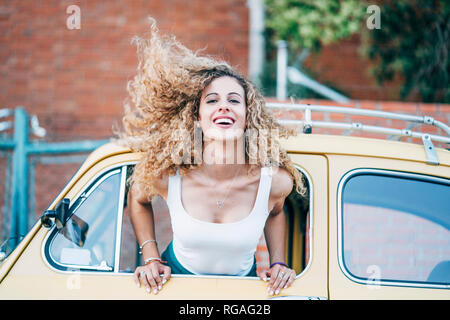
123, 180
299, 298
103, 266
78, 195
430, 151
347, 273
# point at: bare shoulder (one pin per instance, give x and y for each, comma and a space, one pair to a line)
282, 183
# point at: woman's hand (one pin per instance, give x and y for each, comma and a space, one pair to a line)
149, 274
281, 277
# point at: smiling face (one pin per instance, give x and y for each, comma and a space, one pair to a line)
222, 112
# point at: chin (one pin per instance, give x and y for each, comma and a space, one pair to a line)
219, 134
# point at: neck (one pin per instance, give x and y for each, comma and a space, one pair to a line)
221, 158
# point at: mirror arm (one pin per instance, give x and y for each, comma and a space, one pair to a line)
60, 215
46, 218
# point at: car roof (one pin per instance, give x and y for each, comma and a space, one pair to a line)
320, 144
360, 146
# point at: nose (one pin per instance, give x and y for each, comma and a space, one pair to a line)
223, 109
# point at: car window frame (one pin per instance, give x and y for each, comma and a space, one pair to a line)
66, 268
340, 243
310, 233
86, 190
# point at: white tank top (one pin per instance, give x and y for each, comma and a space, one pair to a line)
217, 248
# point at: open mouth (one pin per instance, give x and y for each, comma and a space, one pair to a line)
224, 122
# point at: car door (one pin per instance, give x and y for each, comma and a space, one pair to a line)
389, 228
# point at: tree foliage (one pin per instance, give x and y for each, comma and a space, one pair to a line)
307, 24
413, 41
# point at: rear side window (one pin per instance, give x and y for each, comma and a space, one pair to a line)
394, 227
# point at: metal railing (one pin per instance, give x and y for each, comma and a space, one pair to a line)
22, 148
307, 123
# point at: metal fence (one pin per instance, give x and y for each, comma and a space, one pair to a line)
31, 171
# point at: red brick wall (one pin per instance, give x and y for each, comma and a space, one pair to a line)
75, 80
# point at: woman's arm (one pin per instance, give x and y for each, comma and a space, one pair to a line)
142, 219
141, 215
275, 234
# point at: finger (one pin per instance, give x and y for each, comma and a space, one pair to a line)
273, 275
277, 280
143, 277
264, 275
166, 274
136, 277
284, 277
151, 281
156, 285
157, 269
290, 280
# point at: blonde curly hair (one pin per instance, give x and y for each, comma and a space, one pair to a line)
164, 101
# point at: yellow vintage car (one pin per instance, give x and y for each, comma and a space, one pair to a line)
376, 225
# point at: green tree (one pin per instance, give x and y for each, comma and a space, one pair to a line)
413, 42
307, 24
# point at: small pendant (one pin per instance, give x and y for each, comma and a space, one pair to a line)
219, 204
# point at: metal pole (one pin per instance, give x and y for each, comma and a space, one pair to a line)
282, 61
298, 77
256, 39
19, 221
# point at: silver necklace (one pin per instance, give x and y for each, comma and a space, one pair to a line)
221, 203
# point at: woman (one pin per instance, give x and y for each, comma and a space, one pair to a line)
223, 189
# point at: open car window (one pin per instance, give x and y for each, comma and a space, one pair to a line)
298, 233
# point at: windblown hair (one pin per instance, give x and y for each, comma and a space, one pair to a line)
164, 100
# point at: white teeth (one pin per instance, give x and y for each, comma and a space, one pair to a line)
223, 121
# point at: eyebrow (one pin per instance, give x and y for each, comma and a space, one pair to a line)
235, 93
212, 93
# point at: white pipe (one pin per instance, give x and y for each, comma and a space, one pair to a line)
282, 61
300, 78
256, 40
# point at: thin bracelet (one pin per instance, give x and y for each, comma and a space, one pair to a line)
280, 263
151, 259
144, 243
